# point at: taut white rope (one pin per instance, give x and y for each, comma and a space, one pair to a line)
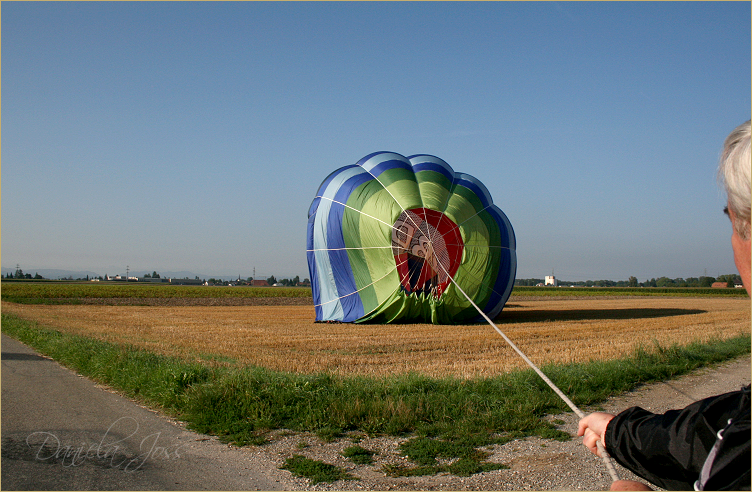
603, 454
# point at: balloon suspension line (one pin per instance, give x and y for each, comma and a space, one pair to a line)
602, 452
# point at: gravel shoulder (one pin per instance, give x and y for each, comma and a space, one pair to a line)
534, 463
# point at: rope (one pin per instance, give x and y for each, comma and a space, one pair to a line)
602, 452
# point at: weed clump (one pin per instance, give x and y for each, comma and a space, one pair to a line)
359, 455
314, 470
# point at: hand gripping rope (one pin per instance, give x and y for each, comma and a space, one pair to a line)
601, 450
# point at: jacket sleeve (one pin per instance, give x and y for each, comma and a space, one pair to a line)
671, 449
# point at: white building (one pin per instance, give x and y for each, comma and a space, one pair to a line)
551, 280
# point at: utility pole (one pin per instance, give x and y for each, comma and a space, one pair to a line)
127, 272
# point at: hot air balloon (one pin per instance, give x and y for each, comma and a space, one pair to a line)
396, 238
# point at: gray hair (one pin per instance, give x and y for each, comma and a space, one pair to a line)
734, 173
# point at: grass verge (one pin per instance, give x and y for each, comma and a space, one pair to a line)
447, 418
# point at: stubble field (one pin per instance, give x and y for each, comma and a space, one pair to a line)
285, 338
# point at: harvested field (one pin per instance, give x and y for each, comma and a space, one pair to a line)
286, 338
196, 301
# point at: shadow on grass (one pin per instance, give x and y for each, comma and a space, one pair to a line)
539, 315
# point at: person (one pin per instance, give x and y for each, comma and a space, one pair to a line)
705, 446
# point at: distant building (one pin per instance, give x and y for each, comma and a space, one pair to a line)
551, 280
719, 285
260, 283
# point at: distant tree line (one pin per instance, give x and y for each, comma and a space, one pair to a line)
287, 282
21, 275
703, 281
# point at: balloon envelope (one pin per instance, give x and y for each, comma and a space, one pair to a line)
391, 237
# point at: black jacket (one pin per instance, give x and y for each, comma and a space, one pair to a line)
681, 450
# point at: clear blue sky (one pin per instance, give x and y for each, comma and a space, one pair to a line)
193, 136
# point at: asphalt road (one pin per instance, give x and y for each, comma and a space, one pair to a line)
61, 431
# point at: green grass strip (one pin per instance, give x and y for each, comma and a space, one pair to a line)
57, 293
241, 404
526, 291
